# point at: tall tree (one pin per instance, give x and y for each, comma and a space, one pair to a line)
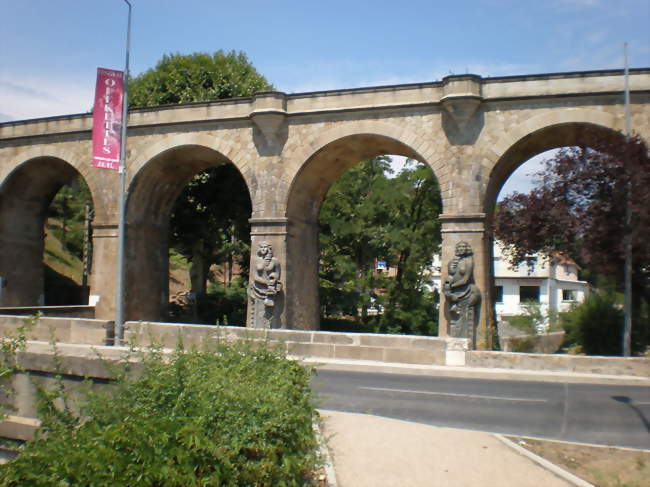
209, 223
210, 218
179, 78
367, 217
578, 207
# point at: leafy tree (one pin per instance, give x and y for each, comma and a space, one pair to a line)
368, 216
179, 78
209, 223
578, 207
67, 213
414, 238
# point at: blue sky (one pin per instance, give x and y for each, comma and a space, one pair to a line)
50, 49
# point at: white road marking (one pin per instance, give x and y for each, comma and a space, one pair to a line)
454, 394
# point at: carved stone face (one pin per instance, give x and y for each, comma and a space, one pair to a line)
463, 249
265, 249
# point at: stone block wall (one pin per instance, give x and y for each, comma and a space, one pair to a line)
299, 343
65, 330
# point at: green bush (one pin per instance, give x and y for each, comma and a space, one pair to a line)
596, 325
226, 416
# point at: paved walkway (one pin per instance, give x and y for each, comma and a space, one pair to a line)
371, 451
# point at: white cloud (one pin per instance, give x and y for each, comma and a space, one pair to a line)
33, 96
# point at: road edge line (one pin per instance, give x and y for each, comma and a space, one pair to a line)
544, 463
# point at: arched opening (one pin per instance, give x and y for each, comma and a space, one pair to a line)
45, 211
358, 162
528, 296
177, 207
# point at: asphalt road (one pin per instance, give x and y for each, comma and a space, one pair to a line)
590, 413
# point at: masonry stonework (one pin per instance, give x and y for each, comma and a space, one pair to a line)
473, 132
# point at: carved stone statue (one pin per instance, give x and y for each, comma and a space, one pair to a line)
462, 295
264, 288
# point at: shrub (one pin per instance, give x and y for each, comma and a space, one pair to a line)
595, 326
224, 416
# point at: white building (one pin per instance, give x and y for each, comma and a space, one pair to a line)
553, 283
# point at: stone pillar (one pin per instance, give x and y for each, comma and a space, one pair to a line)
21, 253
469, 228
146, 286
267, 301
303, 302
104, 270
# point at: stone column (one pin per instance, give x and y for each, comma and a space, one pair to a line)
21, 252
303, 302
104, 270
267, 301
469, 228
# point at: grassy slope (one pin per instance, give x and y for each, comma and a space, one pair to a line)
58, 258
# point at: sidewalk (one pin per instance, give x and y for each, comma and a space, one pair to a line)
371, 451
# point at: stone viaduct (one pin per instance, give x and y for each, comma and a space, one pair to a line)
473, 132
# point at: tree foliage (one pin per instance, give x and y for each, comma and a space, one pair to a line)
179, 78
67, 213
368, 217
238, 415
209, 223
578, 208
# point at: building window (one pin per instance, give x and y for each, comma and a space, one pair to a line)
569, 295
498, 294
528, 293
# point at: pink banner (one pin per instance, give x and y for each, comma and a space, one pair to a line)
107, 119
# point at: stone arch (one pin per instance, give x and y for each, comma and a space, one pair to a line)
152, 192
536, 135
85, 169
319, 165
347, 145
25, 195
559, 128
221, 145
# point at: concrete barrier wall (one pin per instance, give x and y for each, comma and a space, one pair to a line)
331, 345
635, 366
66, 330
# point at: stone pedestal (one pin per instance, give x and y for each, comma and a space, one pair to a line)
266, 300
468, 228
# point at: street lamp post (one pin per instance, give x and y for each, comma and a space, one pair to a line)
119, 298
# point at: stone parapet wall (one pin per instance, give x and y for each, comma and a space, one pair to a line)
65, 330
298, 343
542, 343
635, 366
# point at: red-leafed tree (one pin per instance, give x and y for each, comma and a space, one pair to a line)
578, 207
